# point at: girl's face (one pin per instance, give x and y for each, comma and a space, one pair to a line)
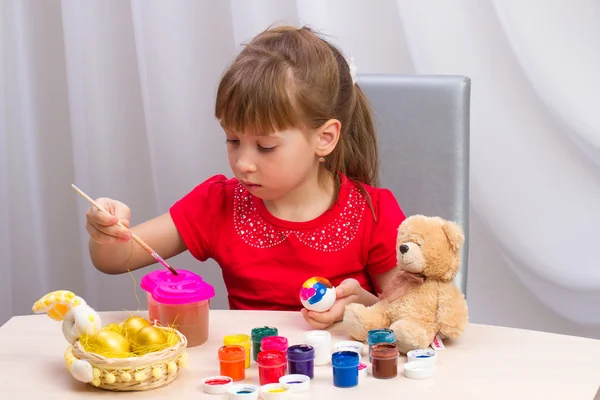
271, 166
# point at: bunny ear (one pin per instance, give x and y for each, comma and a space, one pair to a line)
57, 304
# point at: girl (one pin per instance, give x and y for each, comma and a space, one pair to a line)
302, 203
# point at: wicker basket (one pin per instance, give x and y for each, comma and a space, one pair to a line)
146, 372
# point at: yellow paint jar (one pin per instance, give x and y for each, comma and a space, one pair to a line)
239, 340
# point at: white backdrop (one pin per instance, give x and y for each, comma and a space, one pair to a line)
117, 97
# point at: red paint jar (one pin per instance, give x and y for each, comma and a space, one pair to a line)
271, 366
385, 360
232, 362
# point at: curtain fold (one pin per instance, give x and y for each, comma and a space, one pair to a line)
560, 61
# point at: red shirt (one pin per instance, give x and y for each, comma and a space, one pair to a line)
265, 260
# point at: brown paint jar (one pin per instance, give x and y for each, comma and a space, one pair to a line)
385, 360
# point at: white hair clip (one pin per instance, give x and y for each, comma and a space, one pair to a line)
353, 69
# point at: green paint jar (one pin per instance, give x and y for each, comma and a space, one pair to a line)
257, 336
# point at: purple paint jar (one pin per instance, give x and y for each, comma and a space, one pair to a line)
301, 360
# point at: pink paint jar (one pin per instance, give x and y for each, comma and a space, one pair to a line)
182, 301
274, 343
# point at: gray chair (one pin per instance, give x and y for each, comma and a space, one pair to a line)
423, 128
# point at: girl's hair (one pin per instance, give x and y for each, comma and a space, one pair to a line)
291, 78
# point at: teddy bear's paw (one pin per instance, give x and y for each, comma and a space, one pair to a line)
451, 331
453, 315
410, 335
353, 323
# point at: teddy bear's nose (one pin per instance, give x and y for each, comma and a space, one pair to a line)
403, 248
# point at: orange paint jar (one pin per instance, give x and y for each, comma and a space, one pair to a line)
232, 362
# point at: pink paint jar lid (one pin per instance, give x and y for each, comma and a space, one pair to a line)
184, 288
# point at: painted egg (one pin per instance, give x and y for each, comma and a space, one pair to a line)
132, 325
148, 336
109, 344
317, 294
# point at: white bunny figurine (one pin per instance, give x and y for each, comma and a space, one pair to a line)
78, 318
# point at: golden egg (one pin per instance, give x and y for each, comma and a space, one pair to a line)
132, 325
109, 342
149, 336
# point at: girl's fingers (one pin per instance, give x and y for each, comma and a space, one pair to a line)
312, 322
122, 212
98, 217
107, 234
97, 236
103, 227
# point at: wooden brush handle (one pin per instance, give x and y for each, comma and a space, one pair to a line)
135, 237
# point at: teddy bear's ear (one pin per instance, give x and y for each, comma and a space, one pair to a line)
454, 233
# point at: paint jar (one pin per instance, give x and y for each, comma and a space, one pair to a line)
385, 360
181, 301
271, 366
375, 336
301, 360
231, 361
257, 336
320, 340
239, 340
274, 343
345, 368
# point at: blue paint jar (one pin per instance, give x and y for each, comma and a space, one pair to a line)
375, 336
345, 368
301, 360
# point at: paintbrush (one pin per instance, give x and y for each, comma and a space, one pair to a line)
133, 235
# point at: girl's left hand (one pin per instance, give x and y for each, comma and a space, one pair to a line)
347, 292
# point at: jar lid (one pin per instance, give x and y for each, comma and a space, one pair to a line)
275, 391
236, 339
243, 391
300, 352
232, 353
297, 382
216, 384
263, 331
318, 338
349, 345
274, 343
184, 288
423, 355
345, 359
419, 370
271, 358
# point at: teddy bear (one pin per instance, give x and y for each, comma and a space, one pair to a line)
421, 300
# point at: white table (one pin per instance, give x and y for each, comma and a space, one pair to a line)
487, 362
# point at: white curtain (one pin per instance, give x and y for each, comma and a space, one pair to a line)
117, 97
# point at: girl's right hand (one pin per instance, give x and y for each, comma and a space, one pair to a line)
102, 227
